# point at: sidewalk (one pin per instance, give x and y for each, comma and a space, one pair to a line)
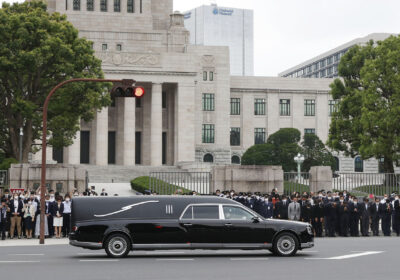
32, 242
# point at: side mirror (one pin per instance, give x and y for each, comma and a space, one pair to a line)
255, 220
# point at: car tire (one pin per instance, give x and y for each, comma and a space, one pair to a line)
117, 246
285, 244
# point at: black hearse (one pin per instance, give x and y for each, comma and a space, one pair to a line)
121, 224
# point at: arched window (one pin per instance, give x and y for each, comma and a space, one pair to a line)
235, 159
336, 166
208, 158
76, 5
358, 164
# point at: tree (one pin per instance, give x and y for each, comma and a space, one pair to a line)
315, 153
368, 113
38, 50
280, 149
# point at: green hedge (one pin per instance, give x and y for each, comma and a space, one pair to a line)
290, 187
6, 163
141, 184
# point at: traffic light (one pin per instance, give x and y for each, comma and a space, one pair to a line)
126, 88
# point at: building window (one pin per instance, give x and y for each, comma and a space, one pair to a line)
130, 6
208, 102
235, 160
316, 66
322, 73
259, 106
119, 47
76, 5
117, 6
284, 107
164, 100
358, 164
235, 136
208, 158
103, 5
309, 107
322, 63
309, 131
85, 147
104, 47
336, 164
309, 70
141, 6
211, 76
235, 106
208, 133
330, 70
332, 106
336, 57
259, 135
111, 147
66, 4
329, 59
58, 154
204, 75
90, 5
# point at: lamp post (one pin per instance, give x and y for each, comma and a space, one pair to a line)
299, 159
21, 135
44, 143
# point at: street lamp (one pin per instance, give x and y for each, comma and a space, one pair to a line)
129, 91
21, 135
299, 159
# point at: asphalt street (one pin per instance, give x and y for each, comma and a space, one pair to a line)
331, 258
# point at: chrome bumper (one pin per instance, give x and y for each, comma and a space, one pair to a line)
306, 245
86, 245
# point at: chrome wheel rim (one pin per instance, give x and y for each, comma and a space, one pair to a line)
117, 246
286, 245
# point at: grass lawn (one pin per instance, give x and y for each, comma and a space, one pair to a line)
141, 184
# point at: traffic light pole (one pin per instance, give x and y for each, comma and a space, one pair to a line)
44, 145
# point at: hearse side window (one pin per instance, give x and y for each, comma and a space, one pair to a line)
188, 213
236, 213
206, 212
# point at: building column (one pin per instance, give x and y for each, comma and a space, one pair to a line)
99, 134
126, 128
72, 153
185, 123
156, 125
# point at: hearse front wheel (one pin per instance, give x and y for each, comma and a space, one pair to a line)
117, 246
285, 244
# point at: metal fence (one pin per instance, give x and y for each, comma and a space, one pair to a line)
292, 182
3, 177
366, 183
180, 182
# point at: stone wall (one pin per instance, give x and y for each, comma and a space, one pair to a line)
320, 178
257, 178
60, 177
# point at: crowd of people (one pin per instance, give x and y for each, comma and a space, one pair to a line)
20, 213
330, 213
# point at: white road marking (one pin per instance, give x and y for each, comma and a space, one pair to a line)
309, 251
19, 261
249, 259
101, 260
26, 254
175, 259
348, 256
156, 253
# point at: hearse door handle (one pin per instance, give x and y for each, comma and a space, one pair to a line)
187, 225
228, 224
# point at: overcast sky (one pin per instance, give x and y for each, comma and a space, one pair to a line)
288, 32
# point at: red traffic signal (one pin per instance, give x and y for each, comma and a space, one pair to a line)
126, 89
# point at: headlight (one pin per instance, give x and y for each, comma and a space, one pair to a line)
309, 230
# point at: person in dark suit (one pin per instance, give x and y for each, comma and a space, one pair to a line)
396, 210
267, 208
3, 218
354, 217
318, 217
344, 212
375, 217
386, 214
331, 215
49, 210
306, 212
16, 206
282, 208
364, 217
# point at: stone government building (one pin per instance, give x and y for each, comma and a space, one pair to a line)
193, 109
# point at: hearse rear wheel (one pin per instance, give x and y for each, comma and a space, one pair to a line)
117, 246
285, 244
